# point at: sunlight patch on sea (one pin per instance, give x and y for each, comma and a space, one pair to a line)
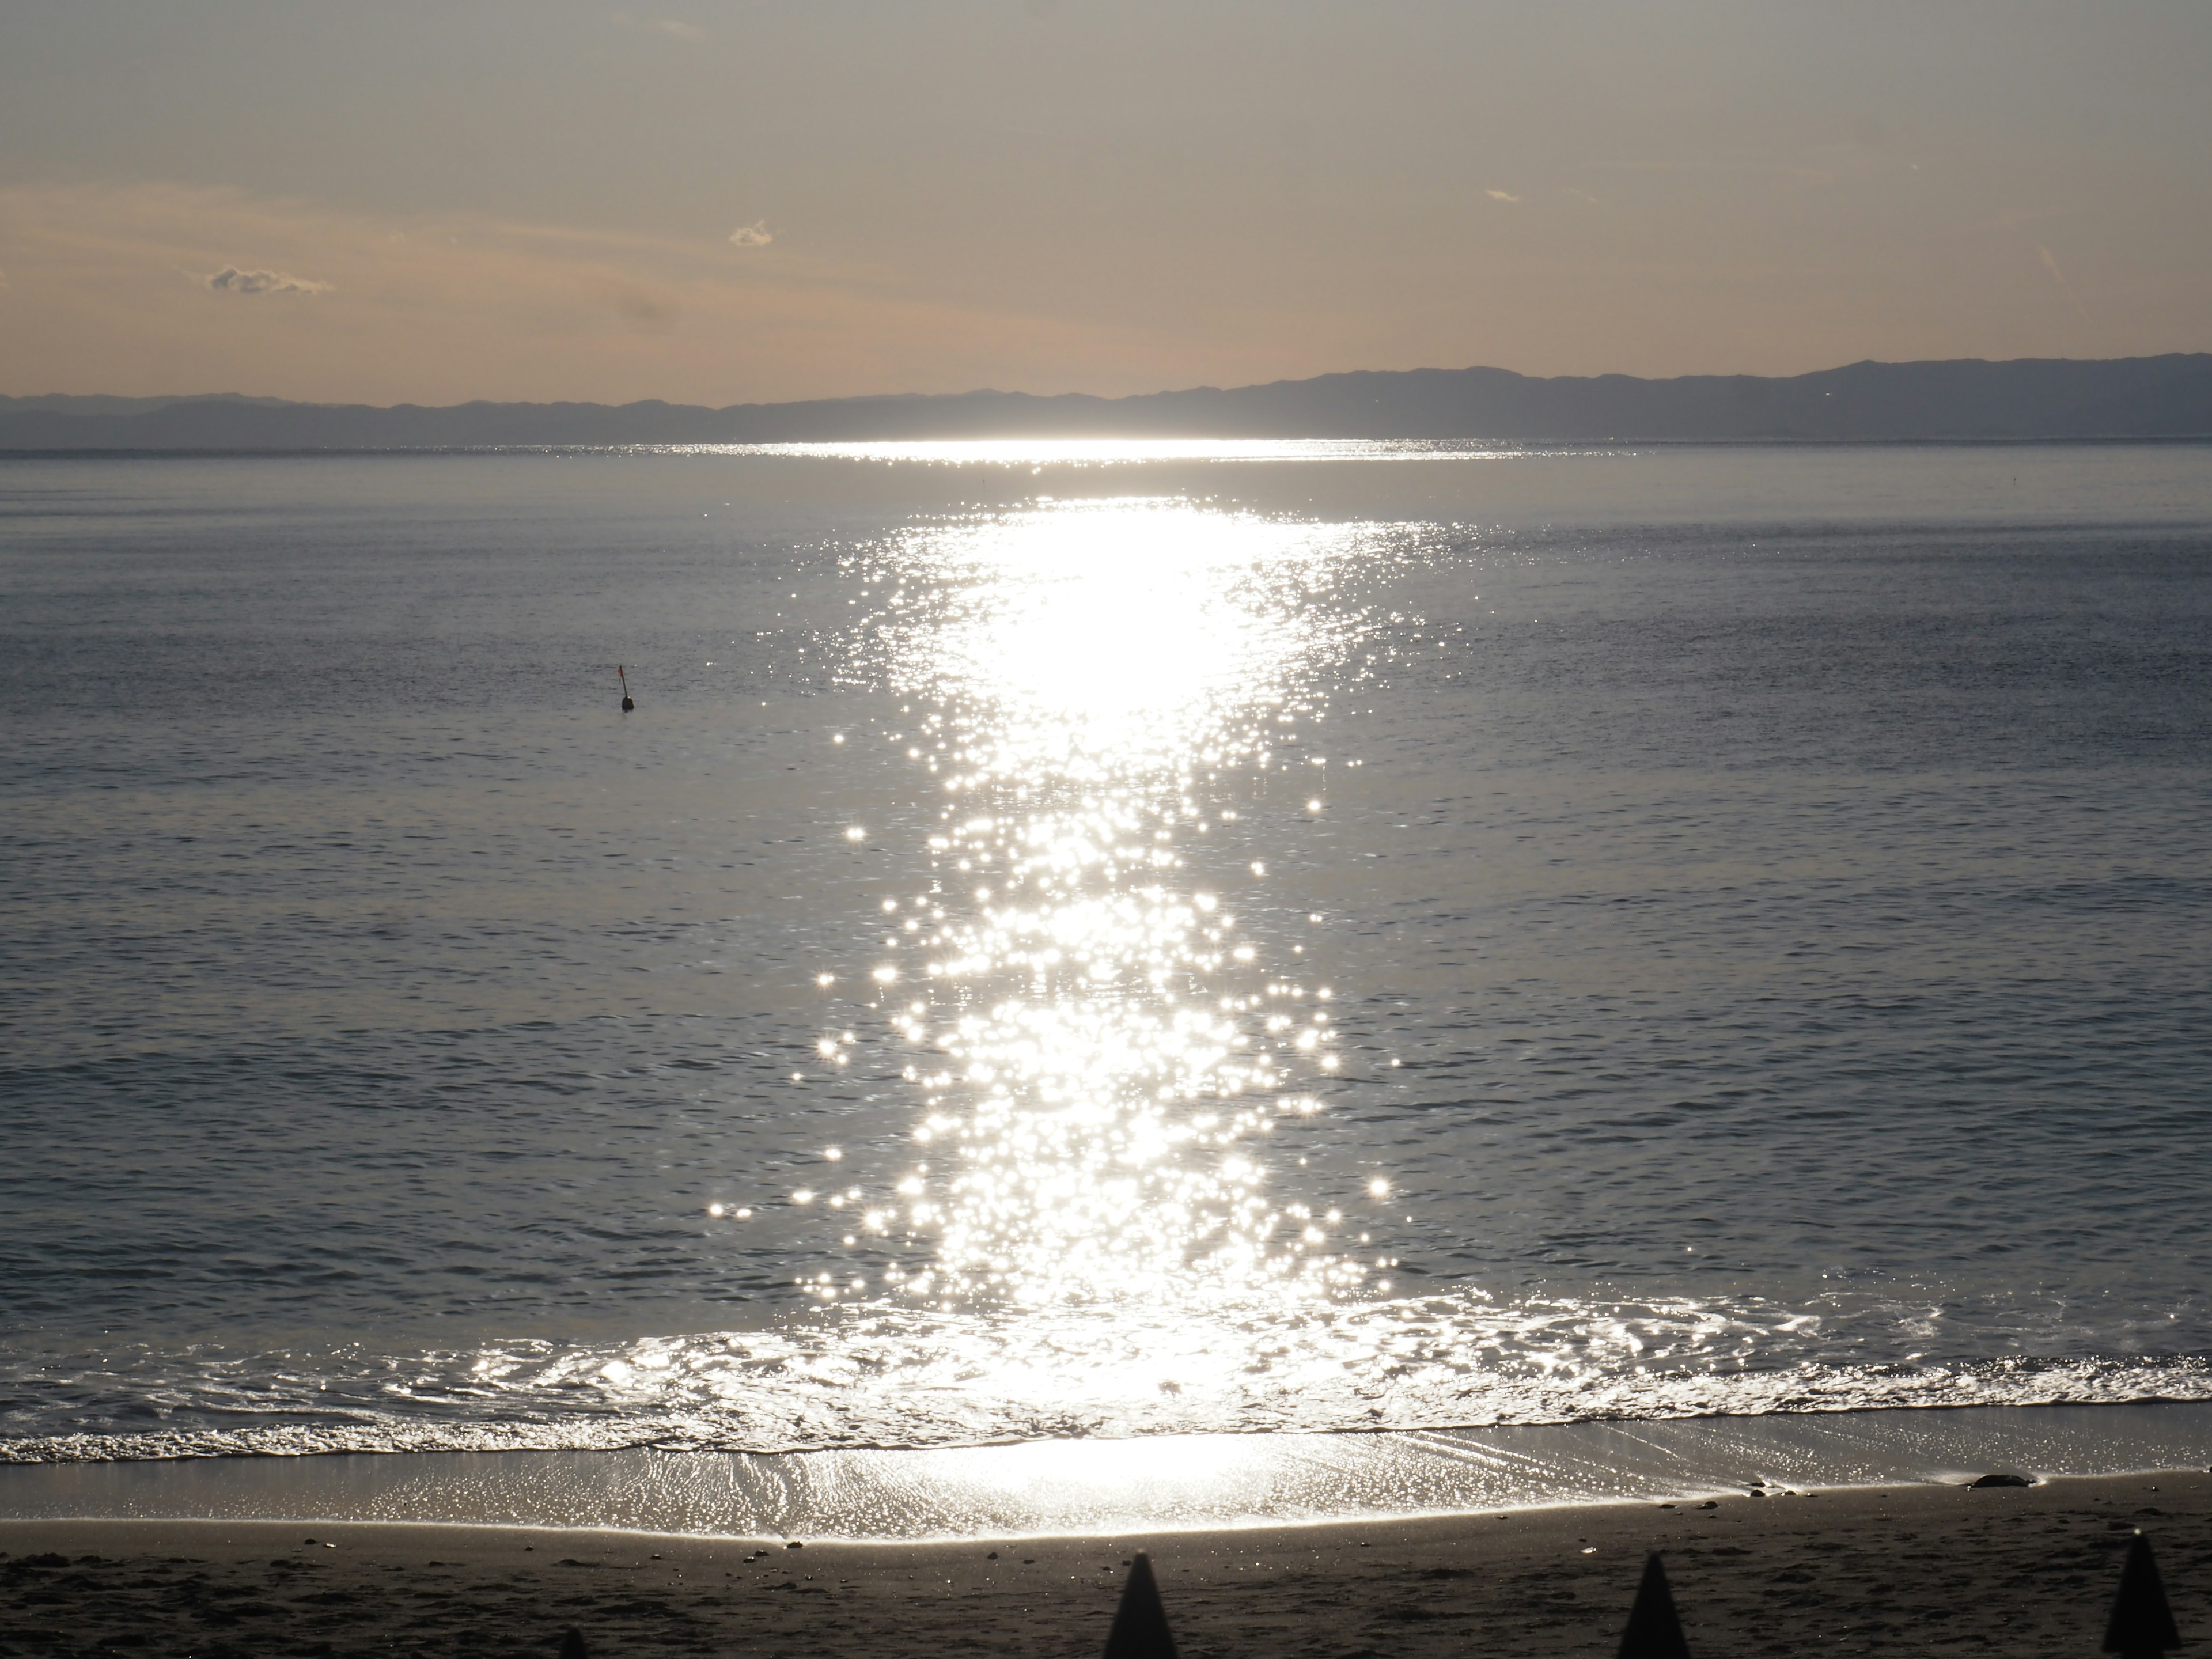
1099, 1059
1125, 452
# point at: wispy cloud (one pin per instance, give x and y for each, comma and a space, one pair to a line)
1501, 195
231, 280
674, 27
2050, 264
755, 234
1752, 167
643, 311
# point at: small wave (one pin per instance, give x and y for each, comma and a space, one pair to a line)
888, 1381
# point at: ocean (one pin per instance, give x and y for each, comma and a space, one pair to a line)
1078, 941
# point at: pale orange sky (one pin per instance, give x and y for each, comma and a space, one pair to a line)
717, 202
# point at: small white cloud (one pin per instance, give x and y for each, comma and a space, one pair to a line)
231, 280
755, 234
1501, 195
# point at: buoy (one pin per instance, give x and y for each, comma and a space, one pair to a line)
626, 704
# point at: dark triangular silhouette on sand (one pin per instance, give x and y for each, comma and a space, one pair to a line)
1140, 1623
572, 1643
1654, 1632
2141, 1623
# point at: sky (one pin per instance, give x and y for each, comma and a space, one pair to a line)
721, 203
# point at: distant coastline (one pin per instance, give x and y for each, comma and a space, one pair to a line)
2130, 398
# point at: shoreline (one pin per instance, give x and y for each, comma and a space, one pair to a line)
1889, 1569
1109, 1487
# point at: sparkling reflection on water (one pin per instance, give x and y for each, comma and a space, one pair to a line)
1100, 1056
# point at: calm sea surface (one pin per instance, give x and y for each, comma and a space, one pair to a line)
1097, 941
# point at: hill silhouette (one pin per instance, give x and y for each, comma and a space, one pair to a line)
2163, 397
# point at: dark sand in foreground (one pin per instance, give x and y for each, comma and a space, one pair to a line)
1902, 1569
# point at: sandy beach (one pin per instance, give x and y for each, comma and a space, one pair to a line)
1899, 1570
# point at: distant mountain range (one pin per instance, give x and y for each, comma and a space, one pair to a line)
2166, 396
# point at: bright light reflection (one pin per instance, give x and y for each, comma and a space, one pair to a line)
1217, 1465
1101, 1057
1120, 451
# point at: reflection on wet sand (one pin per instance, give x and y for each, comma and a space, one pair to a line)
1122, 1486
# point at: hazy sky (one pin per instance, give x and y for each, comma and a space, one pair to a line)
721, 203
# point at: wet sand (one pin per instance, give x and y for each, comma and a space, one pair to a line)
1106, 1488
1897, 1570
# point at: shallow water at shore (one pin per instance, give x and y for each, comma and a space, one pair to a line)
1179, 1482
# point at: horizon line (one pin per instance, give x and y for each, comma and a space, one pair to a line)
1090, 396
